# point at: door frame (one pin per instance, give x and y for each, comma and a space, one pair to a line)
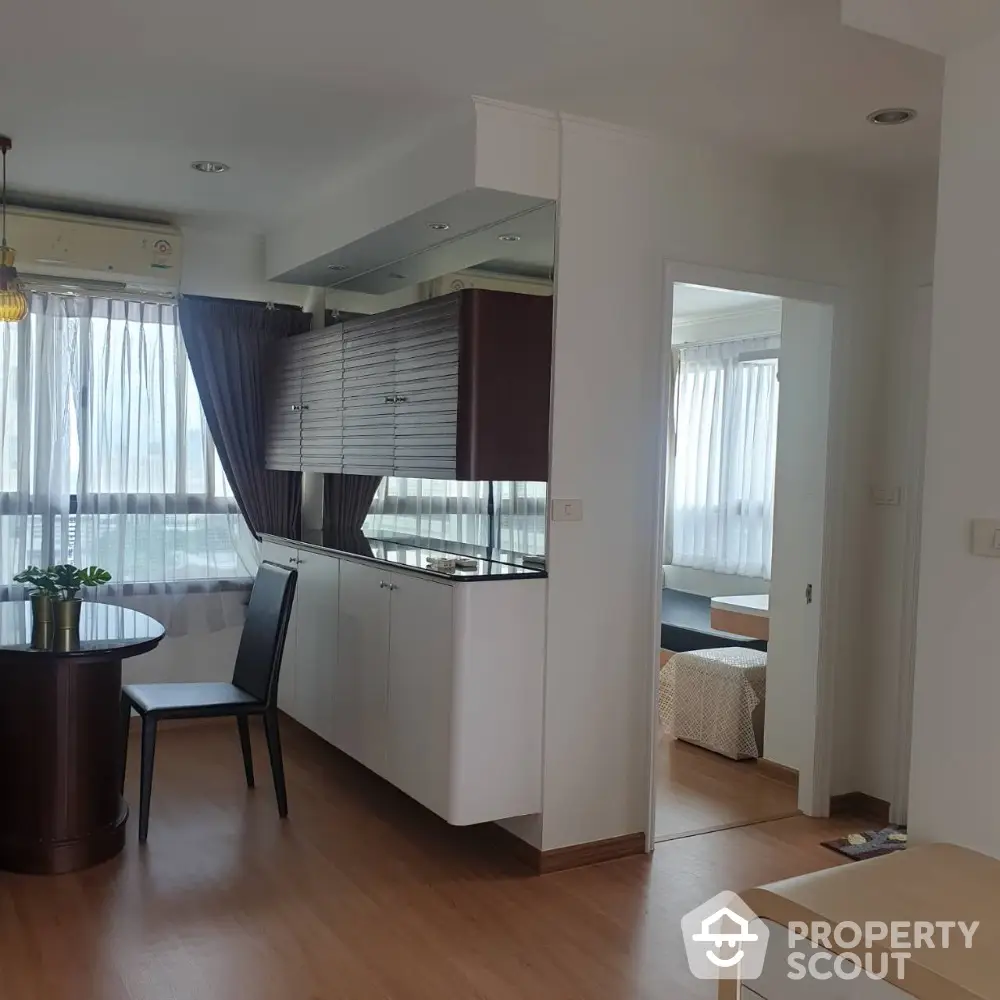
920, 323
814, 791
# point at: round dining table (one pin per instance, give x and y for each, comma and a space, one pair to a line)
61, 753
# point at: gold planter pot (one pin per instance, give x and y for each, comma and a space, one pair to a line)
67, 614
41, 609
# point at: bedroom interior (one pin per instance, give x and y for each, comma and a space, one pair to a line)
725, 371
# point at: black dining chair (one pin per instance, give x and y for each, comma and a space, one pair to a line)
253, 691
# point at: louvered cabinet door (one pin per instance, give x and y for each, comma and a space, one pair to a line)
426, 391
369, 396
323, 401
284, 408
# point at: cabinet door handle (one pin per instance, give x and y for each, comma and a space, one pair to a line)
382, 585
390, 399
401, 399
303, 407
296, 407
394, 586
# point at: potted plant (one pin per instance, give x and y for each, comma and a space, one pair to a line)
69, 581
42, 590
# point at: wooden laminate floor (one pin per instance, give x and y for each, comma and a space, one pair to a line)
359, 894
698, 790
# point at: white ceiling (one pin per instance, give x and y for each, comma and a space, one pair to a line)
109, 101
698, 300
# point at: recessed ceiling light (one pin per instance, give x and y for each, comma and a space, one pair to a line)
337, 267
892, 116
438, 226
400, 277
509, 238
210, 166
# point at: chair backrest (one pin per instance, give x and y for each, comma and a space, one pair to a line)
258, 660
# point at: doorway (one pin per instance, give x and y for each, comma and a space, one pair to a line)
741, 709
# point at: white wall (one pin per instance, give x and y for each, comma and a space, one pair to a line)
203, 634
205, 657
605, 414
956, 739
229, 264
627, 203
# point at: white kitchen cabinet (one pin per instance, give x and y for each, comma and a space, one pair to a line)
360, 687
421, 678
285, 555
316, 642
434, 684
309, 661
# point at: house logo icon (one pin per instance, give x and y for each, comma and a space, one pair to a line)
724, 939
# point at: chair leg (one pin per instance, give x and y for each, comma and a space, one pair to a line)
244, 726
277, 766
146, 779
126, 720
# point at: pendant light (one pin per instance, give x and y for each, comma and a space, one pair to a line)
13, 302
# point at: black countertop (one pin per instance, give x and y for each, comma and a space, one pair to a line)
413, 554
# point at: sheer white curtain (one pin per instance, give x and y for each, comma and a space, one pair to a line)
440, 510
105, 458
724, 441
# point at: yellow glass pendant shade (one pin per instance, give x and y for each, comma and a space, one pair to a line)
13, 301
13, 307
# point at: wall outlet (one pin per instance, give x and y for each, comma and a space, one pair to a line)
567, 510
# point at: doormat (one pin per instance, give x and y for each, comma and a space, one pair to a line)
870, 844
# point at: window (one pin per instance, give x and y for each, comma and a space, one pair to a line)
105, 457
440, 510
725, 437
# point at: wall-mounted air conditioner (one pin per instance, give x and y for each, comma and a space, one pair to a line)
57, 246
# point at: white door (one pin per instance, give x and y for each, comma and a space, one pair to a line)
794, 701
286, 555
359, 691
421, 680
316, 650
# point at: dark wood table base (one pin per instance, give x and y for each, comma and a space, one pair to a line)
60, 800
61, 752
66, 856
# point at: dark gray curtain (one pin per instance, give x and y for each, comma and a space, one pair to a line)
346, 500
229, 345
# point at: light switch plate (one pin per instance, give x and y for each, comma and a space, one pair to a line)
986, 538
887, 496
567, 510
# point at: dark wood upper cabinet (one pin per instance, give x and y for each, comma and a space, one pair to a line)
452, 388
